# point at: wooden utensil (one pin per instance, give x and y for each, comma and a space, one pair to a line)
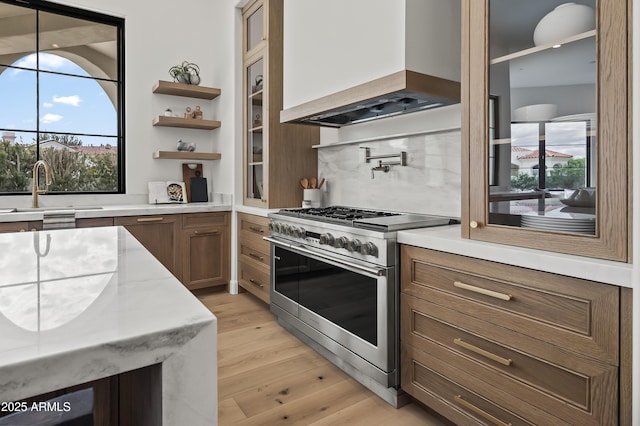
314, 183
305, 183
321, 183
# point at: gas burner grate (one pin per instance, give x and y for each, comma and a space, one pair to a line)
336, 214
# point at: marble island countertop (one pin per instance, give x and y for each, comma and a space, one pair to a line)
82, 304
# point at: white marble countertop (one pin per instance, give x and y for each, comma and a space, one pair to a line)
82, 304
448, 239
117, 210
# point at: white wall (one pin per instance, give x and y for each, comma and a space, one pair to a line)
159, 35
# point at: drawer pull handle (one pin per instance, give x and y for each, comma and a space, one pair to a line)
207, 232
482, 352
255, 256
479, 411
256, 229
256, 283
481, 290
149, 219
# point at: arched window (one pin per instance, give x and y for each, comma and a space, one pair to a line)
61, 97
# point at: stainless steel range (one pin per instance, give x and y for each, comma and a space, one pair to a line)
334, 284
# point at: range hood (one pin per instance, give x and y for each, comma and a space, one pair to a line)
399, 93
373, 59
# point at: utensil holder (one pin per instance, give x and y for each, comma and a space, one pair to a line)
311, 198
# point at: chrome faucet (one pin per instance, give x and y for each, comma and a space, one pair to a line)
381, 167
35, 190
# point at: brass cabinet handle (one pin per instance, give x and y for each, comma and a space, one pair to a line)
256, 283
482, 352
255, 256
480, 290
256, 229
150, 219
479, 411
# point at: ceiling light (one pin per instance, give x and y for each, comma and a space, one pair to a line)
555, 46
55, 45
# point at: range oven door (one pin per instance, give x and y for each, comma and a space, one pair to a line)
352, 303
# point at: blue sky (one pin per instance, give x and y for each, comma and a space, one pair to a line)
67, 103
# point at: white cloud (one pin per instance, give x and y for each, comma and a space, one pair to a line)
47, 105
51, 118
73, 100
48, 61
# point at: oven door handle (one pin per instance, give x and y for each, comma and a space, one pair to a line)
354, 267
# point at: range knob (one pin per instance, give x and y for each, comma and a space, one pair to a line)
286, 229
327, 239
277, 227
341, 242
298, 232
369, 249
354, 245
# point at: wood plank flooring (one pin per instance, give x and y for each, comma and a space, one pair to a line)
268, 377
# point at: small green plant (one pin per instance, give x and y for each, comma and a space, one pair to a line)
186, 72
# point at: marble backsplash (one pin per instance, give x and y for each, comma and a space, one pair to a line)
429, 183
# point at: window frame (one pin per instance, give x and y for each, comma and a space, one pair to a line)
88, 15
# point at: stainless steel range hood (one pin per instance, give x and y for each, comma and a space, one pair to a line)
399, 93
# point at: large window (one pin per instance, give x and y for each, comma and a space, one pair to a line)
61, 98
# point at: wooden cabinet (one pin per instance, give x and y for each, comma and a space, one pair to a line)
253, 255
160, 235
486, 343
275, 156
195, 247
20, 226
514, 157
205, 249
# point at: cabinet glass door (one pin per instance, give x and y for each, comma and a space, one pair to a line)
545, 125
254, 137
542, 130
254, 28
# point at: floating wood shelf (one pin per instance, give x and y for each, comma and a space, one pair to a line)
186, 123
188, 90
186, 155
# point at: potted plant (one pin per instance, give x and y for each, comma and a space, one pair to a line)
186, 72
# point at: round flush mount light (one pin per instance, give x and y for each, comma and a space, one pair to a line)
564, 21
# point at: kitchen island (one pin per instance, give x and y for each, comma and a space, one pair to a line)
77, 305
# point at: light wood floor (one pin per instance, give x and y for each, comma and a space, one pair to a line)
267, 377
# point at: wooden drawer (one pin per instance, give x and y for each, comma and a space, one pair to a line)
250, 252
576, 389
456, 401
92, 222
206, 220
579, 315
254, 279
20, 226
256, 225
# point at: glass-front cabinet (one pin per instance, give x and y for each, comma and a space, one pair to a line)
254, 138
545, 125
275, 156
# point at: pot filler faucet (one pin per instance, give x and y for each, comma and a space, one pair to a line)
384, 166
35, 190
